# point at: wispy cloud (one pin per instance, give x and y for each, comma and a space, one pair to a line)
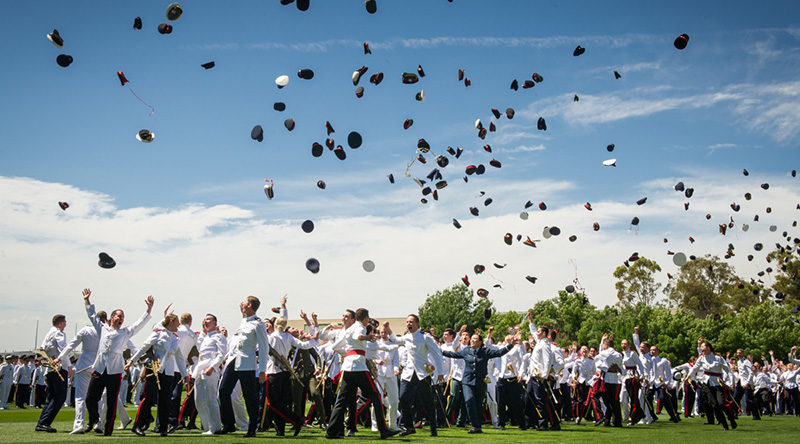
627, 68
525, 149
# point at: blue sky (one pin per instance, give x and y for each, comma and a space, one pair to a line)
192, 201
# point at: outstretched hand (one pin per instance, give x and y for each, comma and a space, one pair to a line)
86, 295
149, 301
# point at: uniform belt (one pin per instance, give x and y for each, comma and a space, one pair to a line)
355, 352
633, 367
718, 375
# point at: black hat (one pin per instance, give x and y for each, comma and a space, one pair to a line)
487, 202
441, 184
420, 71
145, 136
208, 65
481, 169
765, 186
610, 148
495, 163
420, 96
688, 193
442, 161
635, 221
305, 74
745, 172
312, 265
578, 51
748, 196
321, 184
508, 239
279, 106
573, 238
423, 145
514, 85
63, 205
460, 74
366, 48
531, 279
164, 28
541, 125
679, 186
371, 6
555, 231
354, 139
528, 84
174, 12
257, 133
329, 128
55, 39
407, 124
537, 78
681, 41
496, 113
106, 261
316, 149
478, 268
487, 313
456, 223
474, 211
758, 246
289, 124
376, 78
64, 60
482, 292
596, 226
137, 23
391, 178
307, 226
510, 113
542, 206
617, 75
575, 98
570, 289
302, 5
340, 154
528, 204
641, 201
409, 78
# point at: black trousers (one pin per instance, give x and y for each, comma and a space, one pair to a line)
689, 395
611, 400
56, 395
749, 399
249, 383
188, 408
537, 391
417, 391
23, 393
279, 400
175, 403
97, 383
761, 401
566, 402
717, 405
350, 383
665, 398
509, 395
633, 386
40, 396
456, 406
152, 395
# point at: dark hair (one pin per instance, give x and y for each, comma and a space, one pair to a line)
553, 335
212, 316
362, 314
545, 330
254, 302
119, 310
416, 318
186, 317
351, 313
102, 316
370, 329
449, 331
57, 319
709, 346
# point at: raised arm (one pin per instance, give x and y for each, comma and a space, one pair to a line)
90, 311
636, 342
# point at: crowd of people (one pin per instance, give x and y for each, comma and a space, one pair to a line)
359, 373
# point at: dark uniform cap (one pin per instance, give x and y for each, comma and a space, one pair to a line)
312, 265
316, 149
307, 226
257, 133
371, 6
64, 60
305, 74
354, 140
106, 261
208, 65
164, 28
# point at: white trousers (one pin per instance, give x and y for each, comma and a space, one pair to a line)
122, 414
206, 394
490, 401
81, 384
5, 390
389, 387
137, 393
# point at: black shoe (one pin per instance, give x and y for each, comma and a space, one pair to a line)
475, 430
219, 432
250, 435
164, 434
502, 427
172, 428
350, 434
543, 429
389, 433
137, 431
226, 430
44, 428
191, 426
734, 425
333, 436
434, 433
297, 427
409, 431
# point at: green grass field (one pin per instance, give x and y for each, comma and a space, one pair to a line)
16, 426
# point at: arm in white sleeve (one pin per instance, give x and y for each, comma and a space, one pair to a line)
96, 323
71, 346
263, 346
140, 323
146, 346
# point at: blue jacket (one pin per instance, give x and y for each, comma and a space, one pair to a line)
476, 361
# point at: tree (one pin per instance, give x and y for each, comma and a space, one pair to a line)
705, 286
787, 277
566, 313
452, 308
636, 284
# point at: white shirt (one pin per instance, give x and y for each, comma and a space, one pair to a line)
186, 339
112, 343
513, 358
355, 349
164, 344
714, 367
252, 336
745, 372
282, 343
387, 362
53, 343
88, 339
419, 347
605, 360
631, 363
212, 350
541, 359
22, 374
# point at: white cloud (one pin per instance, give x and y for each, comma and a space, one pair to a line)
206, 259
525, 149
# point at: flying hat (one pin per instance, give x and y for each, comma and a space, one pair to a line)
588, 206
542, 206
474, 211
482, 292
528, 204
573, 238
460, 74
145, 136
441, 184
174, 12
531, 279
688, 193
570, 289
679, 259
289, 124
617, 75
610, 162
420, 97
305, 74
366, 48
376, 78
575, 98
528, 84
340, 154
423, 145
546, 232
106, 261
55, 39
467, 82
681, 41
641, 201
523, 215
282, 81
329, 128
495, 163
358, 73
578, 51
208, 65
758, 246
63, 205
765, 186
745, 172
165, 28
321, 184
420, 71
487, 313
478, 268
307, 226
303, 5
514, 85
407, 124
257, 133
537, 78
748, 196
610, 148
368, 266
137, 23
268, 189
679, 186
596, 226
508, 239
64, 60
316, 149
391, 178
465, 280
457, 225
312, 265
371, 6
354, 140
541, 125
409, 78
554, 231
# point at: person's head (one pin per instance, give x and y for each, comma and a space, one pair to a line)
412, 323
348, 318
692, 359
210, 322
756, 367
542, 332
362, 316
509, 339
448, 335
476, 341
384, 335
653, 351
644, 347
268, 324
584, 352
608, 342
592, 352
59, 321
224, 331
740, 353
280, 324
464, 338
102, 316
170, 322
250, 305
186, 319
553, 335
625, 345
117, 318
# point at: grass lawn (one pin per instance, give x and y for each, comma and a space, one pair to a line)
16, 426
